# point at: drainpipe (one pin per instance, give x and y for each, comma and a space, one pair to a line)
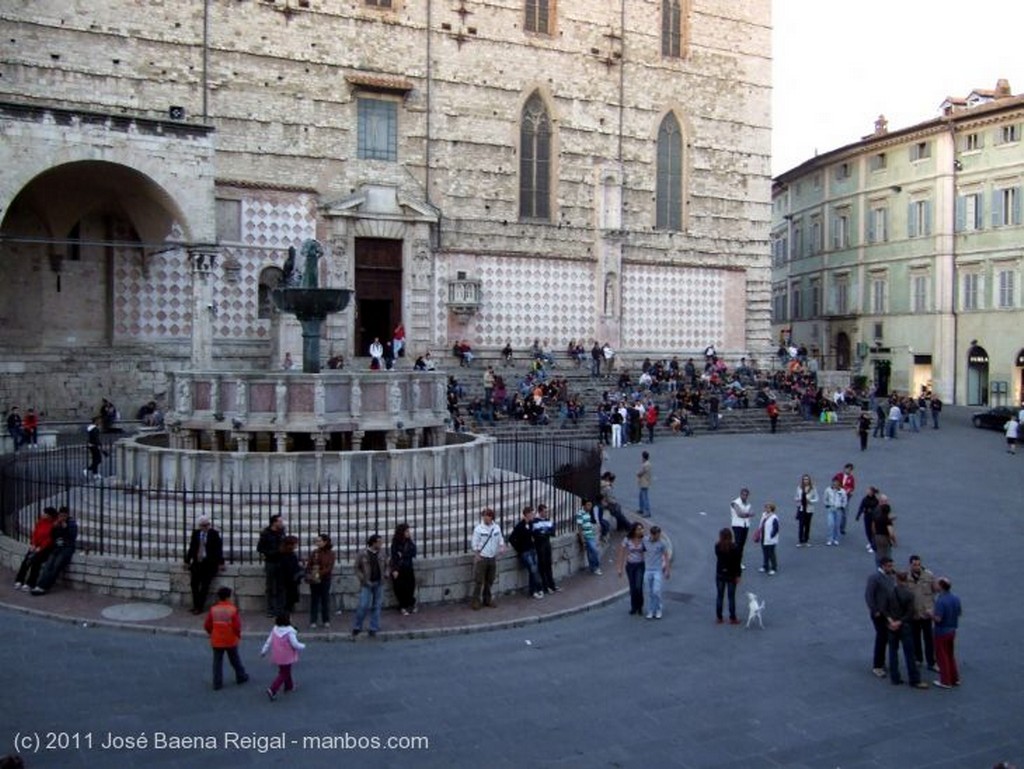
206, 55
622, 75
429, 96
955, 288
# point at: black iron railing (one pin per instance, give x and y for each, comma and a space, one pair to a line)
155, 523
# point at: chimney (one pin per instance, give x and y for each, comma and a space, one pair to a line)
1003, 88
881, 126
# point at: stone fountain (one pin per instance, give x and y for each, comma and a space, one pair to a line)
309, 303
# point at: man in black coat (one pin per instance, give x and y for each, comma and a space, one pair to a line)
204, 559
269, 547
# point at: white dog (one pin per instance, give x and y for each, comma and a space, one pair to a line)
755, 608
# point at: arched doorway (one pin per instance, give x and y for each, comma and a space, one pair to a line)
82, 250
977, 375
842, 351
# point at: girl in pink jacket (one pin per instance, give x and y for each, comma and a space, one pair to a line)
284, 647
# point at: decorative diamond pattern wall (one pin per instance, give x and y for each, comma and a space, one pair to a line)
672, 308
524, 299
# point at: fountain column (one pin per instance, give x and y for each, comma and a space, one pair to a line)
204, 310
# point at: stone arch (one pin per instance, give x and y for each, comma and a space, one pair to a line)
75, 239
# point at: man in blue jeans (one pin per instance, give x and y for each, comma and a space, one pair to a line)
587, 531
643, 480
522, 542
370, 572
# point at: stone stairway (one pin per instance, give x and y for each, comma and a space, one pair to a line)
589, 391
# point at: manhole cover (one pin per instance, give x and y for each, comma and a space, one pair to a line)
136, 612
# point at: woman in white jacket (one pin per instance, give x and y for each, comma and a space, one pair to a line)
768, 531
806, 498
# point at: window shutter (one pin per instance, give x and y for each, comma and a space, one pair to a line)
835, 233
1016, 205
961, 213
871, 226
927, 205
911, 221
997, 208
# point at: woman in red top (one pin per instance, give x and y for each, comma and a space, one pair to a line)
38, 552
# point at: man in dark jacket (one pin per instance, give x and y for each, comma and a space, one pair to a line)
269, 547
900, 616
522, 542
204, 558
877, 594
64, 536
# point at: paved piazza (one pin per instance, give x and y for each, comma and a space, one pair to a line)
601, 688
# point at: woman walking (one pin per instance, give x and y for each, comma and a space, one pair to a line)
403, 552
806, 498
727, 574
319, 570
631, 555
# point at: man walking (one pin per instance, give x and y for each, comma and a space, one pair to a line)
586, 530
880, 587
224, 626
657, 567
643, 481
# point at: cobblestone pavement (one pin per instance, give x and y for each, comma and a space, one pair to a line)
595, 688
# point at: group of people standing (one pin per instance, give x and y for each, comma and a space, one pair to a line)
914, 612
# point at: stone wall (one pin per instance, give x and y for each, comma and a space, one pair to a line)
279, 100
439, 580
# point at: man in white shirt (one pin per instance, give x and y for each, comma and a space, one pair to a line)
487, 544
739, 509
376, 351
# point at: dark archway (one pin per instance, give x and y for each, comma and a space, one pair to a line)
74, 249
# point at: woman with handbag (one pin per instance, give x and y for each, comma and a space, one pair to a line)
319, 571
806, 498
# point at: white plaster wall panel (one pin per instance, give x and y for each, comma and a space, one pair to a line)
672, 308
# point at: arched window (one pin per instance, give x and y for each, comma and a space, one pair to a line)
670, 175
270, 278
671, 28
535, 161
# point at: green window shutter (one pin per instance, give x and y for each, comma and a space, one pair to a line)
961, 214
911, 221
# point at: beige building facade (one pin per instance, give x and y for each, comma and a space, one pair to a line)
900, 257
486, 171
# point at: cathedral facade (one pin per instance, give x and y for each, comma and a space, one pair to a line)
493, 171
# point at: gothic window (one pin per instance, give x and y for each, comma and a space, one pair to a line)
671, 28
538, 16
670, 175
535, 161
270, 277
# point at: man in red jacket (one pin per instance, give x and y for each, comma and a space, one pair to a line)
224, 625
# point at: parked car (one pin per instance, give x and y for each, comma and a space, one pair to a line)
995, 418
